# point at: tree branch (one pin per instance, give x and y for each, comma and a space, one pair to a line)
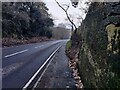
65, 10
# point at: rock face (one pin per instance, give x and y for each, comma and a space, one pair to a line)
99, 55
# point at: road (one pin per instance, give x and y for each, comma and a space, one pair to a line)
20, 63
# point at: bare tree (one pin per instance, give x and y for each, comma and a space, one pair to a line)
75, 4
66, 12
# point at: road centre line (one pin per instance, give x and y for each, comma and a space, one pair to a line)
33, 77
16, 53
39, 46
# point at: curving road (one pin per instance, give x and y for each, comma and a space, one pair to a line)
20, 63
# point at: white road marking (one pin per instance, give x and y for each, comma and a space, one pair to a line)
16, 53
39, 46
42, 74
33, 77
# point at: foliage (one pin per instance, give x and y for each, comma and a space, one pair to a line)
25, 19
68, 45
60, 33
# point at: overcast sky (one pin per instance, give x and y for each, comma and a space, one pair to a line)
59, 15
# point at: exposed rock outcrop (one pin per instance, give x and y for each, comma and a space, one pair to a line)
99, 55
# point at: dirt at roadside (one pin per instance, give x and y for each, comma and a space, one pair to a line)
58, 73
8, 42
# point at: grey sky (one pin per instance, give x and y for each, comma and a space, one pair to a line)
59, 15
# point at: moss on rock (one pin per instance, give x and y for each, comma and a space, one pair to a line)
99, 40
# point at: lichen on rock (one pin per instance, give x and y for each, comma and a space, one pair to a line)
113, 37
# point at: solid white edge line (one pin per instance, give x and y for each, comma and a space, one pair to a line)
28, 83
35, 85
16, 53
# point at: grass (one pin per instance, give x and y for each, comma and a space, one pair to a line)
68, 45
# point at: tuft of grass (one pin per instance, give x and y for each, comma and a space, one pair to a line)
68, 45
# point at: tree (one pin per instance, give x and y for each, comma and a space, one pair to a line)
25, 19
74, 4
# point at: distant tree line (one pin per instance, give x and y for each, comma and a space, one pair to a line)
25, 19
61, 33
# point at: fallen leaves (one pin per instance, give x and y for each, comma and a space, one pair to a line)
72, 53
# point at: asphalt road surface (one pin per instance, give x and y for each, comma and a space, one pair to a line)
20, 63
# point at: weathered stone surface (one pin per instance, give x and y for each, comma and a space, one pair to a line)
99, 56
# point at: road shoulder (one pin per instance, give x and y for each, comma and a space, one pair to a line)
58, 73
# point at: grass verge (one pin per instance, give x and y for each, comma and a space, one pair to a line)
68, 45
